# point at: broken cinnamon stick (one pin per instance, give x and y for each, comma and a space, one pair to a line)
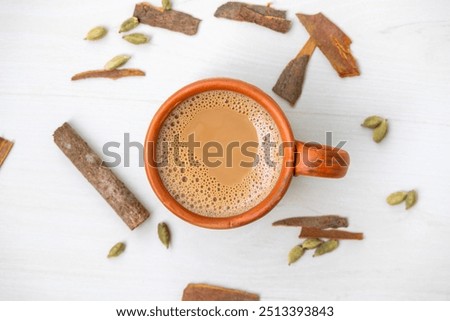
167, 19
320, 222
102, 178
206, 292
264, 16
5, 147
290, 83
113, 74
332, 41
312, 232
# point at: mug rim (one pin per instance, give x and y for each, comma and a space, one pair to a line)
264, 100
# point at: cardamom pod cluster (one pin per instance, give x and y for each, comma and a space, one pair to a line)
379, 126
410, 198
134, 38
380, 129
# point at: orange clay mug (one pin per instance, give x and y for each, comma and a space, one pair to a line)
298, 158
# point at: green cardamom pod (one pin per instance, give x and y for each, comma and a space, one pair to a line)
116, 250
411, 199
164, 234
166, 5
129, 24
326, 247
116, 62
295, 254
380, 131
309, 244
136, 38
396, 198
372, 122
96, 33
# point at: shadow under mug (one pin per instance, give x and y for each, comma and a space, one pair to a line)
327, 161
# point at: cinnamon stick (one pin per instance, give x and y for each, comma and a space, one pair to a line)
206, 292
102, 178
264, 16
231, 10
332, 41
320, 222
113, 74
274, 23
312, 232
5, 147
167, 19
290, 83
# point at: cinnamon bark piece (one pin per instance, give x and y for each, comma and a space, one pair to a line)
113, 74
167, 19
206, 292
231, 10
274, 23
290, 83
332, 41
262, 15
308, 232
102, 178
5, 147
320, 222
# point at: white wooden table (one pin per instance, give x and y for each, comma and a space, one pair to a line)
55, 230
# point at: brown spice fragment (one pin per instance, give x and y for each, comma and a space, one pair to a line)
274, 23
320, 222
265, 16
332, 41
230, 10
308, 232
167, 19
206, 292
102, 178
5, 147
113, 74
290, 83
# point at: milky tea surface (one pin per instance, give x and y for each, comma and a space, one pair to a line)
220, 186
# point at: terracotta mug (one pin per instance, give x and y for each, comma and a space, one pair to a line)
327, 161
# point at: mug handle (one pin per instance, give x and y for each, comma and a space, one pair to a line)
313, 159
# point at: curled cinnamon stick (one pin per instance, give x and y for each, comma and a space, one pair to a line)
113, 74
168, 19
206, 292
312, 232
290, 83
320, 222
332, 41
264, 16
5, 147
102, 178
